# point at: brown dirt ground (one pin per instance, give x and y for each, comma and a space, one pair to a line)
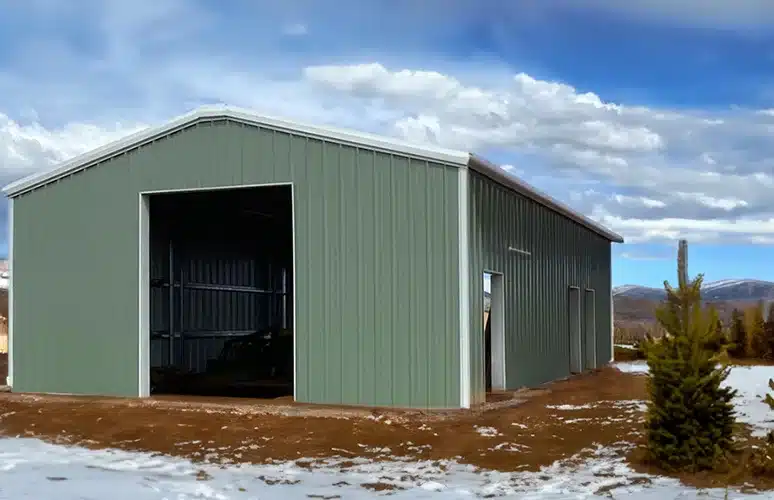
604, 411
526, 436
624, 354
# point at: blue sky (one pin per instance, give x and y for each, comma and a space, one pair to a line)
653, 117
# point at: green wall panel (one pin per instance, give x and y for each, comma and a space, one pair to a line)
563, 254
376, 265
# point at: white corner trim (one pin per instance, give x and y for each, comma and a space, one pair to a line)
372, 141
295, 294
11, 315
143, 265
464, 285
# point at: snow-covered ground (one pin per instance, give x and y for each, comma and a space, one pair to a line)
32, 469
751, 384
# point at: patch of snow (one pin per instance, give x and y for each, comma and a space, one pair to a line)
513, 447
751, 384
33, 469
379, 418
30, 468
714, 285
626, 346
487, 431
571, 407
577, 420
632, 366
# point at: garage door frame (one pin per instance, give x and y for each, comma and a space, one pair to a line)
143, 389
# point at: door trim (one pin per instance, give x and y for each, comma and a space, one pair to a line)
143, 389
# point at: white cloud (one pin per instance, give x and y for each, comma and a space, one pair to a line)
661, 157
639, 200
28, 148
653, 178
658, 174
295, 29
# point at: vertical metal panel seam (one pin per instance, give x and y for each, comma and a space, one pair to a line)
394, 278
377, 274
308, 254
411, 330
428, 255
359, 278
445, 258
340, 269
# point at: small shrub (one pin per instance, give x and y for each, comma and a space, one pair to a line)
690, 418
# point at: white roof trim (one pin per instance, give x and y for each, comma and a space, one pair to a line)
150, 134
371, 141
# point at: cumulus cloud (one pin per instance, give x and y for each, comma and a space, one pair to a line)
652, 174
668, 173
651, 168
28, 148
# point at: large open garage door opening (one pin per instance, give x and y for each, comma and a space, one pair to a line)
220, 292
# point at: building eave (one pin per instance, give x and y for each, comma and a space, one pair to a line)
498, 175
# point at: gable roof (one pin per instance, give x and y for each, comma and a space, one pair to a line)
350, 137
208, 113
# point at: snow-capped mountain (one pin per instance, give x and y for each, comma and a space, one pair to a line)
728, 289
638, 292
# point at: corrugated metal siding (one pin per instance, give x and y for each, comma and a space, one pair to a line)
204, 319
536, 287
376, 266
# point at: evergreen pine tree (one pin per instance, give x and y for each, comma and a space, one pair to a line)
690, 417
719, 340
762, 460
756, 346
738, 334
768, 328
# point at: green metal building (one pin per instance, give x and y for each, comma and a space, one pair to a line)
376, 265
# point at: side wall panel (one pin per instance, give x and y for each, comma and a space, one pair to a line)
563, 254
376, 266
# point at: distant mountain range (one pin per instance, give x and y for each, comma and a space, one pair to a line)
636, 304
736, 290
